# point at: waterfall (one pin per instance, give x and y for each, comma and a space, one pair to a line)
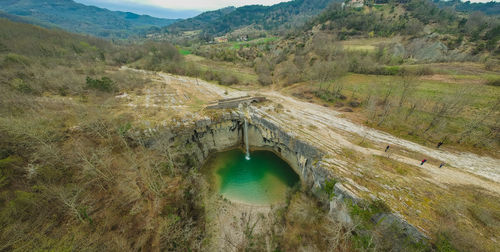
247, 154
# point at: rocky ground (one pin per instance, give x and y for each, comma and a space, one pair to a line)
355, 153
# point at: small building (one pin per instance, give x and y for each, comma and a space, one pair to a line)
220, 40
355, 3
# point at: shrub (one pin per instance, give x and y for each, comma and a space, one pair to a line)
354, 104
105, 84
443, 243
329, 96
365, 213
21, 86
13, 58
265, 79
62, 91
389, 70
6, 169
363, 68
20, 207
494, 82
49, 174
329, 187
3, 48
211, 76
424, 70
229, 79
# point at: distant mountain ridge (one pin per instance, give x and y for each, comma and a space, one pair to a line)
154, 11
80, 18
489, 8
279, 16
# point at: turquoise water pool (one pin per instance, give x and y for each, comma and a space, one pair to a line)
262, 180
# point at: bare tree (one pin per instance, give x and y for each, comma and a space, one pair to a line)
414, 104
288, 73
249, 240
447, 106
263, 69
323, 45
324, 71
69, 198
408, 87
385, 113
388, 93
475, 124
372, 106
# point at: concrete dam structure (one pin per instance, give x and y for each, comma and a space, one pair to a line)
235, 102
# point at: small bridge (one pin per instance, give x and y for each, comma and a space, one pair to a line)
234, 102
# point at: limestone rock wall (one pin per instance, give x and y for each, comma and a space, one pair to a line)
301, 156
208, 136
191, 146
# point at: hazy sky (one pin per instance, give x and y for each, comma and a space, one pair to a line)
188, 4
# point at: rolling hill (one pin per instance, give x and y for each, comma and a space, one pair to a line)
80, 18
280, 16
489, 8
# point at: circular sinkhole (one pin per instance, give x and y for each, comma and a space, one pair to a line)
261, 180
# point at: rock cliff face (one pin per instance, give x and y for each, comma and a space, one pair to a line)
302, 157
191, 146
208, 136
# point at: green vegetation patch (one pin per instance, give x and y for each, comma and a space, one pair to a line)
494, 82
365, 213
329, 187
184, 51
256, 42
105, 84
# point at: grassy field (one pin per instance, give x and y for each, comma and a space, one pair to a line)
246, 75
363, 85
184, 51
238, 44
366, 44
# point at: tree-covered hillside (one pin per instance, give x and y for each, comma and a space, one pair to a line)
200, 21
60, 183
80, 18
477, 31
490, 8
281, 16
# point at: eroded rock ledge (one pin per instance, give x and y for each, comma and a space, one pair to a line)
191, 145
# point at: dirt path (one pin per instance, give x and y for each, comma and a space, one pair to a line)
329, 130
204, 89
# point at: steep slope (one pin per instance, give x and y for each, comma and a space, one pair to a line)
200, 21
53, 86
275, 17
431, 33
80, 18
26, 20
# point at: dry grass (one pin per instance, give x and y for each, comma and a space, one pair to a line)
307, 227
246, 75
454, 216
470, 128
81, 182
